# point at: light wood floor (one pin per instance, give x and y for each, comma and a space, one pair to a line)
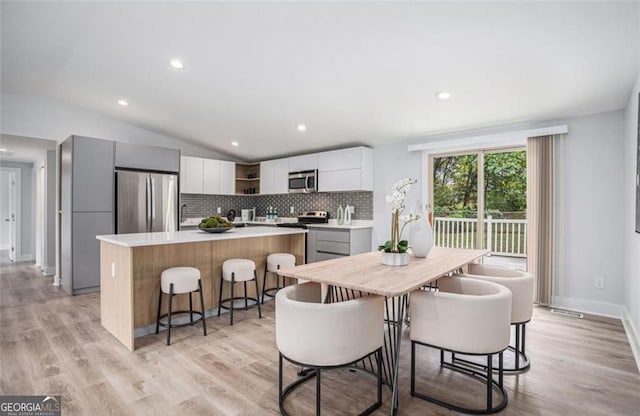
51, 343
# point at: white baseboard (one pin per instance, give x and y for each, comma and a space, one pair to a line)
24, 257
632, 335
48, 270
610, 310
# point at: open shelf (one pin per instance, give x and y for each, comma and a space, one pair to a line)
247, 178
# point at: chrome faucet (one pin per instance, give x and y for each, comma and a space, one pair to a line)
183, 212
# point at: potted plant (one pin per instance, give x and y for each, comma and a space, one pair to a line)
394, 251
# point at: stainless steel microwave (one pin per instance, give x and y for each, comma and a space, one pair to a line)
303, 182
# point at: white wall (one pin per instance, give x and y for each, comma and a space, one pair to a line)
45, 118
631, 239
593, 160
593, 224
392, 162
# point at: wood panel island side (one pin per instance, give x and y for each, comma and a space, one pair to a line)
131, 264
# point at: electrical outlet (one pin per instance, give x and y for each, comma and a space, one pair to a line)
219, 210
598, 282
292, 210
113, 269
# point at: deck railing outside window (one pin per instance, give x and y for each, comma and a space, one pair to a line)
504, 237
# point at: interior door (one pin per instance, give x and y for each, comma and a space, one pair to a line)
8, 213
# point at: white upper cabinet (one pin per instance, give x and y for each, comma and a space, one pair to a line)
211, 179
341, 159
191, 175
304, 162
227, 178
281, 176
346, 170
274, 176
206, 176
338, 170
266, 177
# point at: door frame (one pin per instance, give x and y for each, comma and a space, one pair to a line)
480, 155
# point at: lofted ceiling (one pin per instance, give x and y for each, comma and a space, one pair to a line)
352, 72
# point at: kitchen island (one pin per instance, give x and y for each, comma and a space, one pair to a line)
131, 264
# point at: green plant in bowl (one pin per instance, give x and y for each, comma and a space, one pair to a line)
215, 222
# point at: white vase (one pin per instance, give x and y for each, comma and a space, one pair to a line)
421, 235
340, 216
395, 259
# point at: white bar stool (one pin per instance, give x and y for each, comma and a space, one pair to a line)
178, 281
275, 262
238, 270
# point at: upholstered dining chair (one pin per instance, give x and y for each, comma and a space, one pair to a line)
322, 336
466, 316
520, 284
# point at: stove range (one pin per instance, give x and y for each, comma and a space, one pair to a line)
308, 217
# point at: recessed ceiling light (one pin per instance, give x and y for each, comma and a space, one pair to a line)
3, 150
443, 95
235, 144
176, 63
123, 103
302, 127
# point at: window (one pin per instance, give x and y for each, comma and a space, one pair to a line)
479, 200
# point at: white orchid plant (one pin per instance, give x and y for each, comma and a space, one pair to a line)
397, 198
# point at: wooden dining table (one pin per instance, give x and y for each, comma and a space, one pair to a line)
361, 274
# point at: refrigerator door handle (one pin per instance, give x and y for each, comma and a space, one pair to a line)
153, 202
116, 223
148, 202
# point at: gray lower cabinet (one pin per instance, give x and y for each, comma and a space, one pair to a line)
86, 249
311, 253
326, 244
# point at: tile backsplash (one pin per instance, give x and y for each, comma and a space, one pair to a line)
198, 205
205, 205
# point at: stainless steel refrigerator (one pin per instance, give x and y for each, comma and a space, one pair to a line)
146, 202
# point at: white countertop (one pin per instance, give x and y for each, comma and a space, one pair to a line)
194, 236
263, 221
333, 224
193, 222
